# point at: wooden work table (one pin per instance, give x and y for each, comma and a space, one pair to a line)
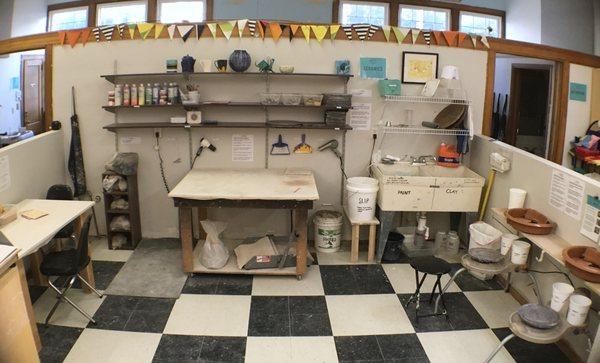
293, 189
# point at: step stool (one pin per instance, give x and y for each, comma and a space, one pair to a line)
372, 223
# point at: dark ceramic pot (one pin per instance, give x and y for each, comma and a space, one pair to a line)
187, 64
239, 60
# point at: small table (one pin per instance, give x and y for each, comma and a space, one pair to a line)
372, 223
244, 188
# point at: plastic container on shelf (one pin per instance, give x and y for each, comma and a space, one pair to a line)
270, 98
482, 235
361, 197
328, 230
291, 99
312, 99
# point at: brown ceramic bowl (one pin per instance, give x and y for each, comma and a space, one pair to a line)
529, 221
575, 259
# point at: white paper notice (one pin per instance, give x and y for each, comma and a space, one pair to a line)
4, 173
558, 186
566, 194
360, 116
361, 92
242, 148
574, 200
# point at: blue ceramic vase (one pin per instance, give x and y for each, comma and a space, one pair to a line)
239, 60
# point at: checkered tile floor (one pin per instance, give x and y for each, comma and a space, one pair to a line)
338, 312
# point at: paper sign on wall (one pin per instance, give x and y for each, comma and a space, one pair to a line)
590, 226
373, 68
361, 92
360, 116
242, 147
4, 173
566, 194
577, 92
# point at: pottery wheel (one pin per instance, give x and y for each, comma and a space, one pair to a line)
485, 255
538, 316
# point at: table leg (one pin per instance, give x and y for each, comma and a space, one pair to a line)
88, 272
35, 260
28, 305
186, 236
372, 235
300, 227
202, 215
385, 218
355, 240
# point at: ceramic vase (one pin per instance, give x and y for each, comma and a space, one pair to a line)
239, 60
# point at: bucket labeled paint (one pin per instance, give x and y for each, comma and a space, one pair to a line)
328, 230
361, 198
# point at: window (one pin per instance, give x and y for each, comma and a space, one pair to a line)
70, 18
177, 11
424, 18
121, 12
481, 24
357, 12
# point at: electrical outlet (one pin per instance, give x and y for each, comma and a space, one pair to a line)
158, 133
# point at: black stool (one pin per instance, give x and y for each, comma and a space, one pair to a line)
428, 265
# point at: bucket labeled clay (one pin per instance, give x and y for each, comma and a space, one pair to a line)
361, 198
328, 230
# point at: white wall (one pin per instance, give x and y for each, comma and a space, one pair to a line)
524, 20
10, 112
568, 24
29, 17
578, 112
35, 164
81, 66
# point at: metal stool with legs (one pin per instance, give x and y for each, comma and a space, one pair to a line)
68, 264
428, 265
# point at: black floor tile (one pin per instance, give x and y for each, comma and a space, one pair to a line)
402, 348
223, 349
35, 292
104, 273
178, 348
525, 352
461, 314
218, 284
57, 342
138, 314
309, 316
468, 282
358, 349
355, 279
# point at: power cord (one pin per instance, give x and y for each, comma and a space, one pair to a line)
161, 162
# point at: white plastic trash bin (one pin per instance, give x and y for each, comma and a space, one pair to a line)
482, 235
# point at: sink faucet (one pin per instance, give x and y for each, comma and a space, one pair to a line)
422, 160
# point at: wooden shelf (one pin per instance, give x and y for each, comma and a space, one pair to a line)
248, 125
114, 109
113, 78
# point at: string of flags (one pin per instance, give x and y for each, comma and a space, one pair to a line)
272, 29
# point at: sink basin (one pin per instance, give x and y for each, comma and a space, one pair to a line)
400, 169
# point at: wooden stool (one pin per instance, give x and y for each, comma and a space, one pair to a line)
372, 223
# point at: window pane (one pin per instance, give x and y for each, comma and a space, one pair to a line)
370, 13
480, 24
121, 12
68, 19
424, 18
180, 11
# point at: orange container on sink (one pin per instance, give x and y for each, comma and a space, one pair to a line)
448, 156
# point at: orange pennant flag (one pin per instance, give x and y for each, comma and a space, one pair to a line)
294, 28
85, 35
461, 37
73, 37
450, 37
275, 31
438, 37
61, 37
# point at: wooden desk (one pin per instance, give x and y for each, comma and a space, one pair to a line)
246, 188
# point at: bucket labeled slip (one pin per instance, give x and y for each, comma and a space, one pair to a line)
520, 252
328, 230
560, 295
579, 306
361, 198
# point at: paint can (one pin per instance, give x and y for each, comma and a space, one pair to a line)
328, 230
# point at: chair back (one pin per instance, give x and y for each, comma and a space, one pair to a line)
82, 242
59, 192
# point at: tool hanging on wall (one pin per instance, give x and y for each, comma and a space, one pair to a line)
204, 144
303, 147
160, 161
332, 145
280, 147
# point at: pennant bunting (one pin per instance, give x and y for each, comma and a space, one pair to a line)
320, 31
415, 34
241, 24
62, 36
306, 31
122, 28
107, 31
293, 29
399, 34
348, 30
386, 29
199, 30
73, 37
85, 35
95, 31
212, 27
427, 36
285, 27
473, 37
185, 31
171, 30
158, 28
227, 28
361, 30
372, 30
252, 27
450, 37
261, 25
461, 38
276, 31
333, 30
131, 30
438, 37
144, 29
485, 42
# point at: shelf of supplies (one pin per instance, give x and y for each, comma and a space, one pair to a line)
114, 109
423, 131
423, 99
113, 78
248, 125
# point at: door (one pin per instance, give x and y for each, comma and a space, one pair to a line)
32, 89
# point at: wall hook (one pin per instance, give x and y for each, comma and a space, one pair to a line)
541, 258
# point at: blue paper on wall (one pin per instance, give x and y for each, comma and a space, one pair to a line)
14, 83
373, 68
577, 92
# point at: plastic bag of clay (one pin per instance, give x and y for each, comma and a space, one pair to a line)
123, 163
110, 182
118, 240
214, 252
120, 223
119, 204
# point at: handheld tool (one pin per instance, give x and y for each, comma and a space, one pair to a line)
204, 144
303, 147
332, 145
280, 147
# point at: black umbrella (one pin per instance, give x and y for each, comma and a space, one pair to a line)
76, 168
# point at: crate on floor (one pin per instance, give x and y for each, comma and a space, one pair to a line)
356, 224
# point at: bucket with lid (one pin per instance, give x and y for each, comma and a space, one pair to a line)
361, 198
328, 230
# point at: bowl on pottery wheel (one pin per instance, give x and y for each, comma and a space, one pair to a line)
529, 221
583, 262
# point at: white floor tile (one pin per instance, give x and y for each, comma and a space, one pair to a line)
290, 349
100, 251
95, 345
367, 315
311, 284
402, 278
216, 315
66, 315
465, 346
494, 307
342, 257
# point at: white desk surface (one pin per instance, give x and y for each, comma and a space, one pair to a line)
29, 235
247, 184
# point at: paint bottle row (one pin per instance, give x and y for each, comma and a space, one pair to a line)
141, 95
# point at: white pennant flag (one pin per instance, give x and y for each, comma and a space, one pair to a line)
171, 30
415, 34
241, 26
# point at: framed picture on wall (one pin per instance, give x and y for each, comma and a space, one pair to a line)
418, 68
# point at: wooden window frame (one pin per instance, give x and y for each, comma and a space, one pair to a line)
205, 8
390, 10
409, 6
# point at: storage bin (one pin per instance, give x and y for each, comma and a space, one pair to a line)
335, 118
389, 87
270, 98
312, 99
337, 101
291, 99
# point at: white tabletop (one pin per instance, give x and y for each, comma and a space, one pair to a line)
247, 184
29, 235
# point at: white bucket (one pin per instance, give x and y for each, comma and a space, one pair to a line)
482, 235
328, 230
560, 294
362, 197
506, 242
579, 306
516, 198
520, 252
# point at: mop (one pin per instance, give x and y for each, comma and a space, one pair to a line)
280, 147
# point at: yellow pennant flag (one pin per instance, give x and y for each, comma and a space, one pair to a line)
213, 29
144, 29
386, 32
306, 31
227, 28
399, 33
158, 28
333, 30
320, 31
131, 30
